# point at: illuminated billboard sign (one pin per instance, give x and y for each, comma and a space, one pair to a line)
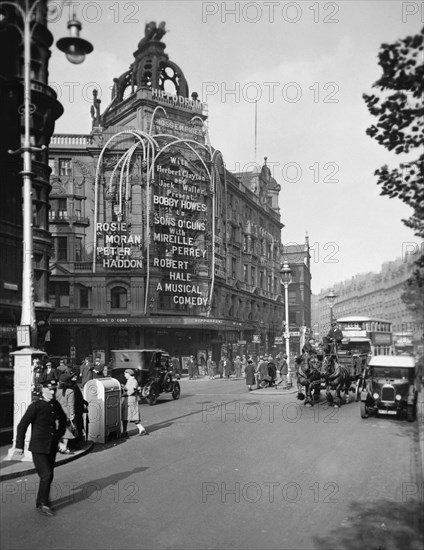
181, 228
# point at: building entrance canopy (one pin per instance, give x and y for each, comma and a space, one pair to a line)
181, 321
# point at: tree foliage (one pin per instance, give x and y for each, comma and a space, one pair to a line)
412, 295
398, 106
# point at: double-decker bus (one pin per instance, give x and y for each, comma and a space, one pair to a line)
374, 332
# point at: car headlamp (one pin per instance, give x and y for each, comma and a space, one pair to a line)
375, 395
398, 397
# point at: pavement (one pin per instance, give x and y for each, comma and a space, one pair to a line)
10, 469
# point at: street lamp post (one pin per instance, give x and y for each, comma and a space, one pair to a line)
286, 279
75, 49
331, 297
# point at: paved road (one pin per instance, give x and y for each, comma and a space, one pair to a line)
224, 468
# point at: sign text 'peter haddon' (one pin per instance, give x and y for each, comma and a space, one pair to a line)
118, 246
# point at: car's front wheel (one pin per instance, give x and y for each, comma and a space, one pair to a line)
364, 411
176, 390
152, 394
411, 413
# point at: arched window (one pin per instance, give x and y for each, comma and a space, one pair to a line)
118, 298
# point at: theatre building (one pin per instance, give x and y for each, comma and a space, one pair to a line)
155, 243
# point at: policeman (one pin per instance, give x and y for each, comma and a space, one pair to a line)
48, 423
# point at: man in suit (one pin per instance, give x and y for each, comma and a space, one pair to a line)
62, 367
86, 371
334, 335
191, 367
48, 423
49, 373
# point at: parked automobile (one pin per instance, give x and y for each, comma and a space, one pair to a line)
152, 369
391, 387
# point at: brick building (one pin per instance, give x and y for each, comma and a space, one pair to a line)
376, 295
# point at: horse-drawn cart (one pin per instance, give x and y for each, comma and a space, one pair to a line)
354, 354
338, 368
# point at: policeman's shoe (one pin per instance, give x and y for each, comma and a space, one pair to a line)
45, 510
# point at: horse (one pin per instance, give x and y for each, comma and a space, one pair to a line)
308, 377
337, 378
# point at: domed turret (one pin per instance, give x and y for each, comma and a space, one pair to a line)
152, 67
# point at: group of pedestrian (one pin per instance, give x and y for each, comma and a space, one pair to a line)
45, 373
225, 368
90, 370
68, 394
264, 374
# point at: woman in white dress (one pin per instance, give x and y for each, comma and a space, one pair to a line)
130, 410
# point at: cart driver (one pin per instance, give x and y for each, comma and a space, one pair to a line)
334, 335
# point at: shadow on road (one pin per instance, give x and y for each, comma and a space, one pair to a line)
93, 490
380, 525
169, 421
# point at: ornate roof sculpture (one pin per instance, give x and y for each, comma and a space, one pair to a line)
151, 68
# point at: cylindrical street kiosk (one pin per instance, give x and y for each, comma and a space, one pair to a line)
104, 408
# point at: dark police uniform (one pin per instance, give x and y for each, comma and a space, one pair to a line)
48, 423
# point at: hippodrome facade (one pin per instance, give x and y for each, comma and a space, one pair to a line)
155, 243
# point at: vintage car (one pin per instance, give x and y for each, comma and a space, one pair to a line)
390, 387
152, 369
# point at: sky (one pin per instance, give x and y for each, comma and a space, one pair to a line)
282, 80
